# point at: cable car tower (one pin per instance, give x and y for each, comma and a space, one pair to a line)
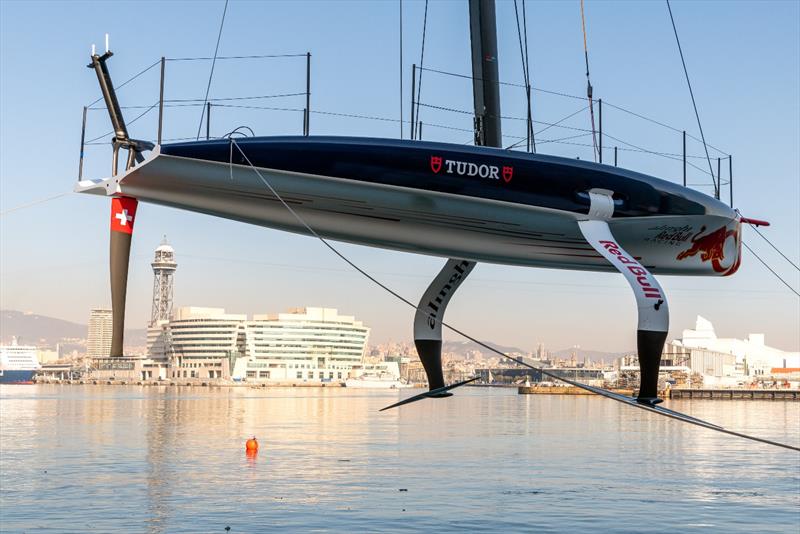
164, 267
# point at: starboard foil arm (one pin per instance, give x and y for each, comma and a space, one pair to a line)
650, 298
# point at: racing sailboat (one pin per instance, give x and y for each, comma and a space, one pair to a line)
464, 203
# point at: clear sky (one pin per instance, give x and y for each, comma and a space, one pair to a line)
743, 57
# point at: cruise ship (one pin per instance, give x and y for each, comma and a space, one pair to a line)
18, 363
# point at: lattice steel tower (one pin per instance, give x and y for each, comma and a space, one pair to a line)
164, 267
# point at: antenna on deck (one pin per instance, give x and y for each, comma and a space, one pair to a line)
106, 43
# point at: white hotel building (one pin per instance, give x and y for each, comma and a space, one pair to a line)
303, 345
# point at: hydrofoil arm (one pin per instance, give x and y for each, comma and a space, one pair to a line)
650, 298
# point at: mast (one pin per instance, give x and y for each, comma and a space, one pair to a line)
485, 79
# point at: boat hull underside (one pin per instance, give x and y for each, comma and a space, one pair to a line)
424, 222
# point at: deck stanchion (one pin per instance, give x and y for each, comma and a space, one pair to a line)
730, 177
208, 121
413, 89
307, 125
600, 142
615, 156
684, 158
719, 176
161, 101
83, 143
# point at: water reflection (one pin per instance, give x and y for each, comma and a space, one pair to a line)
171, 459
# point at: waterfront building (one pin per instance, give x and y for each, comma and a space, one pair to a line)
753, 357
302, 345
305, 344
204, 343
720, 361
98, 343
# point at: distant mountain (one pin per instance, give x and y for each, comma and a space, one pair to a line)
462, 348
593, 355
33, 329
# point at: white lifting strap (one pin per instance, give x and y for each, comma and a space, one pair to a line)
650, 297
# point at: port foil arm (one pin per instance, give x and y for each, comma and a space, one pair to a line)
429, 317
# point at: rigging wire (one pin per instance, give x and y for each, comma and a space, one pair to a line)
793, 264
588, 82
558, 124
770, 269
34, 203
528, 79
126, 82
213, 64
222, 58
523, 52
145, 112
201, 102
599, 391
421, 64
694, 104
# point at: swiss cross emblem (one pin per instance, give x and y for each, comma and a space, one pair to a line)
436, 163
508, 173
123, 212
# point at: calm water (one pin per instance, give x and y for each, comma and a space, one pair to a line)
158, 459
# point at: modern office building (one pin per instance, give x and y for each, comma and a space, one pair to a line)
305, 344
98, 343
204, 343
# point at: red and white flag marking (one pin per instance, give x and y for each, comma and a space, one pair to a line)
123, 214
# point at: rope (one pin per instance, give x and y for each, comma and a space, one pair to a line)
588, 83
770, 269
34, 203
213, 64
598, 391
421, 63
694, 104
793, 264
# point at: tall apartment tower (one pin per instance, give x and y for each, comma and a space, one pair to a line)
164, 267
98, 343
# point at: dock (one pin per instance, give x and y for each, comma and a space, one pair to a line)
677, 393
735, 394
563, 390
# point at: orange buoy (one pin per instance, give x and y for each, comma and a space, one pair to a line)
251, 445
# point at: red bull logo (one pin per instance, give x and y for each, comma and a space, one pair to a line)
711, 247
